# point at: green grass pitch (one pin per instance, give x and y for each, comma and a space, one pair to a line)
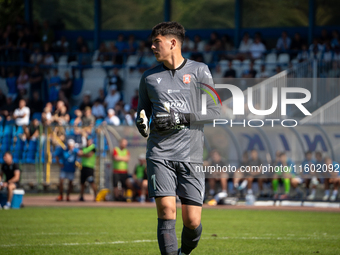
133, 231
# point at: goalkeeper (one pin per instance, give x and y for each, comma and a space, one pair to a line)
169, 96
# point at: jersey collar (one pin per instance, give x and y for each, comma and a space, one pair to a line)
178, 68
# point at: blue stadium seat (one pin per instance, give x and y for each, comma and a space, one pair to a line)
18, 131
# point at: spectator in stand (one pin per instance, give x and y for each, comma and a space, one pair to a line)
263, 73
132, 45
327, 54
251, 72
325, 37
316, 49
2, 99
304, 54
116, 80
113, 98
296, 44
120, 48
48, 60
257, 48
86, 101
98, 110
134, 100
111, 118
88, 119
84, 58
36, 105
278, 69
62, 45
78, 121
46, 116
213, 42
129, 115
121, 45
102, 53
67, 85
23, 81
199, 45
80, 43
335, 39
101, 97
11, 82
28, 37
230, 73
31, 132
54, 86
21, 115
188, 45
36, 57
284, 42
61, 117
36, 80
245, 46
47, 34
8, 109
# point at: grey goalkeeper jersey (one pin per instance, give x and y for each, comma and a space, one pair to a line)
181, 89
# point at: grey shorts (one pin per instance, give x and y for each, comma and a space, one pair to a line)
171, 178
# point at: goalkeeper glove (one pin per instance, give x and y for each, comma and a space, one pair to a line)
142, 123
167, 120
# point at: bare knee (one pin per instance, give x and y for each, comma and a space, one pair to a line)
11, 187
166, 208
192, 222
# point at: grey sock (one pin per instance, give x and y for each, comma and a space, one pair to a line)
190, 238
166, 235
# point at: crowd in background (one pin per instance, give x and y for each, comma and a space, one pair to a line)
40, 84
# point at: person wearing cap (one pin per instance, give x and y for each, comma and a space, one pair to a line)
139, 180
88, 162
111, 118
66, 159
112, 98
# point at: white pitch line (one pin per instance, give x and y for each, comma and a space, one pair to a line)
151, 241
52, 234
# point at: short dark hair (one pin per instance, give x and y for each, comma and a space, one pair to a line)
169, 28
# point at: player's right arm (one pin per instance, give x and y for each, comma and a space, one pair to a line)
144, 108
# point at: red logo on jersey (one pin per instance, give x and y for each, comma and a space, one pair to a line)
186, 78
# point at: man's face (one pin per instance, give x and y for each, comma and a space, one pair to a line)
309, 156
283, 158
123, 143
161, 47
22, 103
8, 158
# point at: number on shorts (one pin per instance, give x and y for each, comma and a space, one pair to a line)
153, 179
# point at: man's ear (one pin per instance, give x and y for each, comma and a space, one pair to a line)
173, 43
